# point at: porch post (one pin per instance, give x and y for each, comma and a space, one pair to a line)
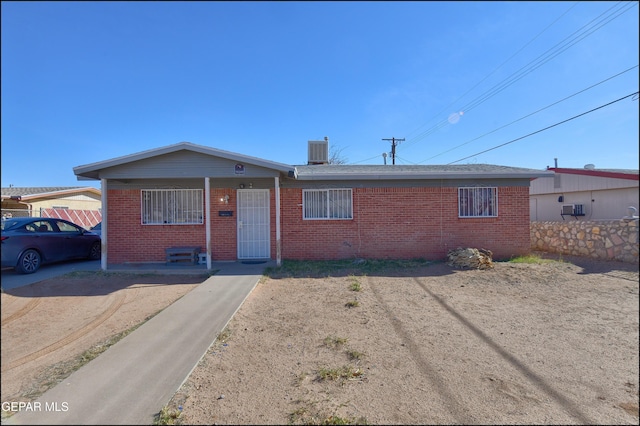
207, 221
103, 232
278, 241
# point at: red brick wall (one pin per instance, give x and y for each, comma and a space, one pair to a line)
223, 228
388, 223
395, 223
130, 241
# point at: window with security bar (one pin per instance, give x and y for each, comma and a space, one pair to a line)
172, 207
327, 204
478, 202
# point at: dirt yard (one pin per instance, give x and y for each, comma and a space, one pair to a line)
51, 327
553, 343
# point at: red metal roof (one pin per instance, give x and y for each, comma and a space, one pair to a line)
617, 174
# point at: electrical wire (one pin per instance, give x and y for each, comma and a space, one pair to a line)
497, 68
530, 114
366, 159
546, 128
535, 64
541, 62
398, 159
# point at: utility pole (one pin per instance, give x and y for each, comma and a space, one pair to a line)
394, 142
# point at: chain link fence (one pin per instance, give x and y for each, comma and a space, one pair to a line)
9, 213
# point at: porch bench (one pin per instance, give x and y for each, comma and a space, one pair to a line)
177, 254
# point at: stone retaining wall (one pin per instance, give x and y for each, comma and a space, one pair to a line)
604, 240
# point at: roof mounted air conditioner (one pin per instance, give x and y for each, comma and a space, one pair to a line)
318, 152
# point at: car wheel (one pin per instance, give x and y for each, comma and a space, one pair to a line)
29, 262
96, 250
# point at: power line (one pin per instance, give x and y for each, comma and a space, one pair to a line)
536, 63
546, 128
366, 159
401, 159
533, 113
541, 60
585, 31
498, 67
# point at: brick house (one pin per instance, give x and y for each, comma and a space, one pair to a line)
237, 207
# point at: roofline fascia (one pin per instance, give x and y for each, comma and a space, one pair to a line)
421, 176
597, 173
82, 171
63, 192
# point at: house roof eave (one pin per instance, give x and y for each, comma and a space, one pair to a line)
30, 193
311, 173
628, 174
92, 171
61, 193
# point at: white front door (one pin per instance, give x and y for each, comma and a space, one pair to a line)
253, 224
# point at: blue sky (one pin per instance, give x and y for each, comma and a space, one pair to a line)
460, 82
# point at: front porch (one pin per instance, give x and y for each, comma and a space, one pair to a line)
228, 267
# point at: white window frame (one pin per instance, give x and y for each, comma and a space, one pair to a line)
171, 207
477, 202
322, 204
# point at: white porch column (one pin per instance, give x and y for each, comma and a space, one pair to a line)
207, 219
103, 232
278, 240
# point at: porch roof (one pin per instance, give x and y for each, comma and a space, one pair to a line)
92, 171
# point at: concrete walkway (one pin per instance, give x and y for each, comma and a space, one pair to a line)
131, 382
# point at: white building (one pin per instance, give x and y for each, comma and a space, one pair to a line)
584, 194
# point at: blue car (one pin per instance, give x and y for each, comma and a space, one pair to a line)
29, 242
97, 229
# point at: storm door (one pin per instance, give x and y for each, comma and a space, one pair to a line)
253, 224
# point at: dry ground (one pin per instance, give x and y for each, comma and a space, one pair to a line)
51, 327
553, 343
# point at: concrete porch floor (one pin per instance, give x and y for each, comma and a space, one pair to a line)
235, 267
